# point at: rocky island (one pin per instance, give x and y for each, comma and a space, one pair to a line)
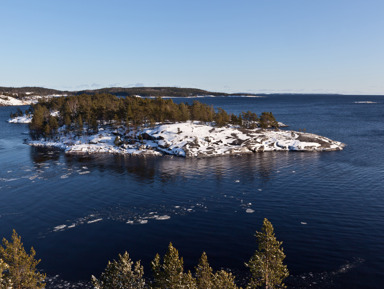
189, 139
90, 124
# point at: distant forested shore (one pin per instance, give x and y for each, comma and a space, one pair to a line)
21, 92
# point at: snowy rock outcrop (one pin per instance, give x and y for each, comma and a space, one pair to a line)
190, 139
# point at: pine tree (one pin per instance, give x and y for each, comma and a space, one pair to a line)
266, 265
223, 280
121, 275
170, 274
205, 279
268, 120
203, 273
67, 120
21, 266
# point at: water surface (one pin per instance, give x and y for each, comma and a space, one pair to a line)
327, 208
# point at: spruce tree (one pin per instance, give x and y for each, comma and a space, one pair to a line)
21, 270
266, 265
203, 273
170, 274
205, 279
223, 280
121, 275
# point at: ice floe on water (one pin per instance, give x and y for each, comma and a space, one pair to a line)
8, 180
56, 282
59, 228
249, 211
132, 216
365, 102
162, 218
142, 221
95, 221
322, 280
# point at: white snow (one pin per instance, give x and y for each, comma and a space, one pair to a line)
189, 139
10, 101
6, 100
27, 118
21, 119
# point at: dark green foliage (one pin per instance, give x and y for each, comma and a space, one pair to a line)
268, 120
224, 280
249, 119
266, 265
221, 117
121, 274
152, 91
79, 111
206, 279
21, 265
203, 273
170, 273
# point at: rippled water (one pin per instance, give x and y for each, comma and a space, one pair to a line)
327, 208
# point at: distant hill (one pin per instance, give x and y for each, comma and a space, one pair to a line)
22, 91
153, 91
120, 91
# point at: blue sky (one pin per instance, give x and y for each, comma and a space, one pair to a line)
304, 46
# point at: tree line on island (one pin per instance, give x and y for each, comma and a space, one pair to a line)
18, 269
81, 112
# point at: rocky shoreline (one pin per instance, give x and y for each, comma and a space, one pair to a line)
188, 139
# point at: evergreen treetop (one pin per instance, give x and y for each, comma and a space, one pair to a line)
121, 274
21, 269
266, 265
170, 273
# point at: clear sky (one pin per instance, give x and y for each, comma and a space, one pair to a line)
305, 46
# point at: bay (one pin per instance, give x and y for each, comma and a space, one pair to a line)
327, 208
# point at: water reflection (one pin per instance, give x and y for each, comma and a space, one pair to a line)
168, 169
41, 155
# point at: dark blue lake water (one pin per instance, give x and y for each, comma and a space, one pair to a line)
327, 208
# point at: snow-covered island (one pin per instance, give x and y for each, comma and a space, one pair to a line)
187, 139
104, 123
